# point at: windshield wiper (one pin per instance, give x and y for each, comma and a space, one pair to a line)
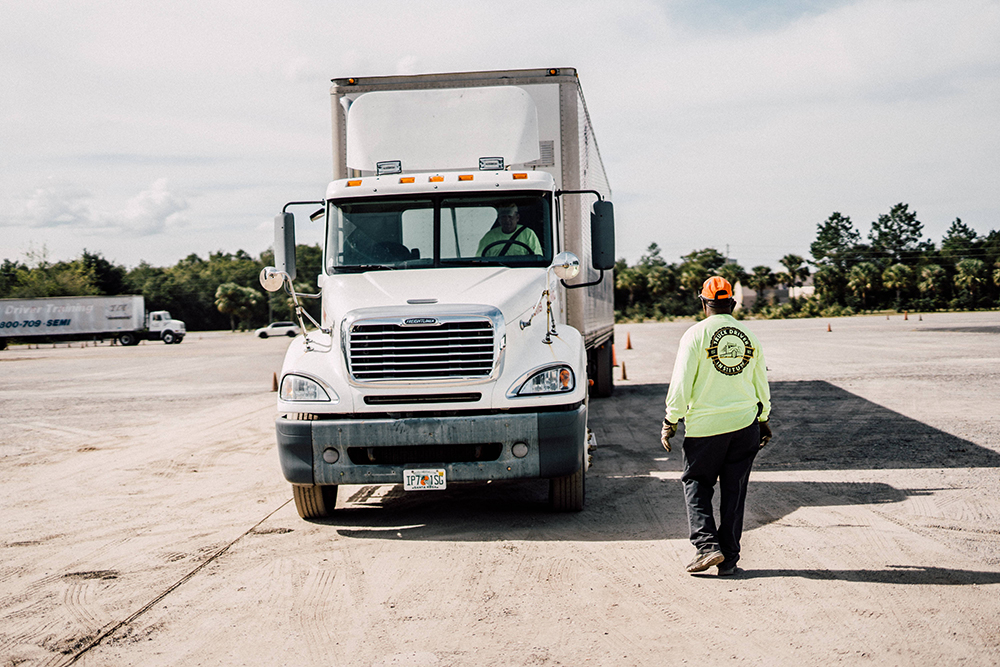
361, 268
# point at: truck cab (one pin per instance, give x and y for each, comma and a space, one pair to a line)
445, 351
161, 326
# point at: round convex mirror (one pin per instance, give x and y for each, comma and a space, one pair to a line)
271, 279
566, 265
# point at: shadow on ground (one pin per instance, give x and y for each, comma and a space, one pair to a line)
817, 426
894, 574
633, 492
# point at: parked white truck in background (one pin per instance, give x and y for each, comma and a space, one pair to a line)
448, 351
86, 318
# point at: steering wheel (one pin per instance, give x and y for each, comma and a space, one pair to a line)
505, 241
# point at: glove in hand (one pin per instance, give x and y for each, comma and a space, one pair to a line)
765, 433
666, 433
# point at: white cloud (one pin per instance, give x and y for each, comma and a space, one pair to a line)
152, 211
64, 205
56, 204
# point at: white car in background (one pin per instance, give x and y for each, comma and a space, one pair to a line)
289, 329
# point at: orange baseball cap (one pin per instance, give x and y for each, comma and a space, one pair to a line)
716, 288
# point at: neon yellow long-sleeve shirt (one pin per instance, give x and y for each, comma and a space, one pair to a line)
719, 378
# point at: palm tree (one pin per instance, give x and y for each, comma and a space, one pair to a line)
931, 283
898, 277
970, 276
693, 276
236, 301
759, 280
862, 280
795, 272
829, 281
732, 272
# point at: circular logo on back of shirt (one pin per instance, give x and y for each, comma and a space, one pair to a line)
730, 351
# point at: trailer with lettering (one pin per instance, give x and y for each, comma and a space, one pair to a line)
67, 318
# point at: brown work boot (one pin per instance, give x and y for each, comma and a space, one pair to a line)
703, 561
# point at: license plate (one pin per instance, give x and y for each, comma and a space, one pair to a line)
423, 480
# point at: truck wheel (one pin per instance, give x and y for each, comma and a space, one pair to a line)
3, 343
314, 502
169, 338
604, 379
566, 494
128, 338
178, 341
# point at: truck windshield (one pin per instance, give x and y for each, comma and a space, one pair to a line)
513, 229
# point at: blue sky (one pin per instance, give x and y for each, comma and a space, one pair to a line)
151, 132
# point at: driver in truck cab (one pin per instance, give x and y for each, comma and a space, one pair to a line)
507, 237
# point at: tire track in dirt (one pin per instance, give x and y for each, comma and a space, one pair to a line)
77, 654
81, 597
25, 630
319, 606
204, 438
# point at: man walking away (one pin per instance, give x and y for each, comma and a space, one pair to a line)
719, 388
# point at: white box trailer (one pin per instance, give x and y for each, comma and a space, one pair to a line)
566, 149
457, 340
122, 318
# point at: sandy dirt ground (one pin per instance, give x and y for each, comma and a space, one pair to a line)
145, 520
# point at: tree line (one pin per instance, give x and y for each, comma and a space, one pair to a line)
894, 268
221, 291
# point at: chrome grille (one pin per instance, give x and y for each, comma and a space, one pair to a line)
451, 349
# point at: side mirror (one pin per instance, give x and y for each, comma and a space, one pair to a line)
566, 266
284, 244
602, 235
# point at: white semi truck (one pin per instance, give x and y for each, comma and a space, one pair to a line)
121, 318
457, 341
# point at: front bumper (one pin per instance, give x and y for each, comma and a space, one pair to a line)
555, 446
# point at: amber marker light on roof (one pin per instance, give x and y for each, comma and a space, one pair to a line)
407, 179
465, 177
353, 184
519, 176
436, 179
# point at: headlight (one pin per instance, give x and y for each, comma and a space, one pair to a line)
301, 388
554, 380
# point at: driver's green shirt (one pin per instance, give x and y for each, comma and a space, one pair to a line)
526, 236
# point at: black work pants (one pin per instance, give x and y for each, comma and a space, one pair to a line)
726, 458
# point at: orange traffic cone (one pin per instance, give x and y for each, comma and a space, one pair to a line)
614, 356
828, 329
274, 382
624, 374
628, 341
906, 315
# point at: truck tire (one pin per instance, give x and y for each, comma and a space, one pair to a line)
3, 343
314, 502
169, 338
128, 339
567, 494
178, 340
604, 378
